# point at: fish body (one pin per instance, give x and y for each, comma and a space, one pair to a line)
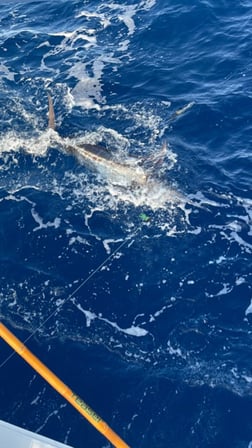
129, 174
98, 158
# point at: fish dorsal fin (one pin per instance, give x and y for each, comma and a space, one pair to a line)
51, 121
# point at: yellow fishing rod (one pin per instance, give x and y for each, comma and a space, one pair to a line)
61, 388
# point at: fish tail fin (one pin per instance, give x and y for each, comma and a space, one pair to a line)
51, 115
180, 112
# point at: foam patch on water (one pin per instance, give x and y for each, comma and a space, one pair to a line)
85, 46
249, 309
37, 145
131, 331
35, 215
6, 73
88, 91
153, 195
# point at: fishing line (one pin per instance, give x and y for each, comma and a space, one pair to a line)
109, 257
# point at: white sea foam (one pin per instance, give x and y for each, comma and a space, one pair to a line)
133, 330
78, 240
44, 225
14, 142
37, 218
88, 91
175, 351
127, 19
147, 4
242, 243
249, 309
103, 19
107, 242
6, 73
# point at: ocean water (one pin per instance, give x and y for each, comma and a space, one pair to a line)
138, 298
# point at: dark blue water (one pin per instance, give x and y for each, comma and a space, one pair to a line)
157, 341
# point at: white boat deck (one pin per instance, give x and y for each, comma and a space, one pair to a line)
12, 436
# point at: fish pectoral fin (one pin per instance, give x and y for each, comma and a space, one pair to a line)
156, 159
51, 115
